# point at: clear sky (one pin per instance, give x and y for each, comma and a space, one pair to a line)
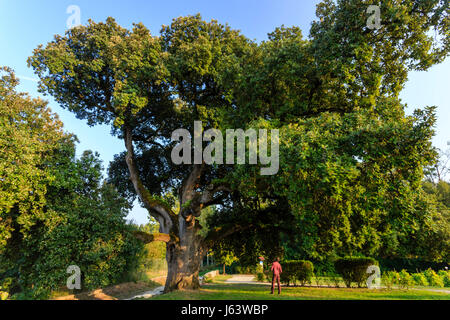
26, 24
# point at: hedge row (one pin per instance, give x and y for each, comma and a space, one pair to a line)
410, 265
354, 269
405, 280
326, 267
297, 270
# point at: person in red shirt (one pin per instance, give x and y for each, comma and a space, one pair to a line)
276, 269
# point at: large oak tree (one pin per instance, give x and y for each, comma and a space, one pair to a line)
341, 84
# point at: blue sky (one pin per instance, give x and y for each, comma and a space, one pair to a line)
26, 24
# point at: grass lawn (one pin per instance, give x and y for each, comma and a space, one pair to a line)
220, 290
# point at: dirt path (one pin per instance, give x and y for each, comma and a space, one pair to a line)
148, 294
434, 290
123, 291
242, 278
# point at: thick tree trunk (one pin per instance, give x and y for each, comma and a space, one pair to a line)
184, 258
185, 249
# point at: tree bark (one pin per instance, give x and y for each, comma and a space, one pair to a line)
184, 258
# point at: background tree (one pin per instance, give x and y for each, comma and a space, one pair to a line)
56, 211
29, 136
224, 257
434, 242
439, 170
153, 260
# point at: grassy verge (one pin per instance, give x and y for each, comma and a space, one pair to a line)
219, 290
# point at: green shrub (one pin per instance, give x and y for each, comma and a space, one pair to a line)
268, 276
288, 275
433, 278
390, 279
445, 277
297, 270
410, 265
335, 279
246, 270
305, 271
5, 286
328, 279
260, 276
324, 267
316, 280
259, 269
354, 269
406, 280
3, 295
420, 279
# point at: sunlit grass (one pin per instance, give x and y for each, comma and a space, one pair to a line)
219, 290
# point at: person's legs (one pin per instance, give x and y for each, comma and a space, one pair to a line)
278, 283
273, 283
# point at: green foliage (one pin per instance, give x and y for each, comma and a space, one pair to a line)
433, 278
406, 280
335, 278
410, 264
260, 276
351, 159
420, 279
297, 270
325, 266
224, 256
153, 257
4, 288
437, 242
248, 245
88, 229
30, 134
57, 212
390, 279
354, 269
245, 269
445, 276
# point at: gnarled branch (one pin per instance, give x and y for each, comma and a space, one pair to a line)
159, 210
222, 232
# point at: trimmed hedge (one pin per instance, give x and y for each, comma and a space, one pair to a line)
354, 269
296, 270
